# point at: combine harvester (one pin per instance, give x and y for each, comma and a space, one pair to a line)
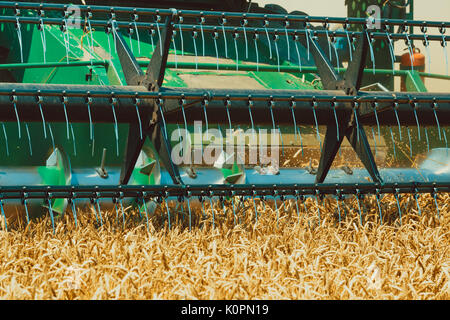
95, 101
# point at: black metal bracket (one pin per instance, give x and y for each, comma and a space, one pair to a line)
152, 81
348, 125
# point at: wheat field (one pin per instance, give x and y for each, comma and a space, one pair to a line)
288, 255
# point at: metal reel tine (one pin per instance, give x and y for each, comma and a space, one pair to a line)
19, 37
235, 37
306, 210
271, 103
444, 47
334, 106
263, 201
416, 195
396, 105
41, 28
410, 50
410, 142
256, 210
350, 51
377, 197
276, 209
114, 102
234, 210
115, 201
446, 142
374, 141
168, 212
139, 209
29, 138
250, 104
51, 135
174, 33
194, 36
333, 43
317, 196
393, 141
338, 198
91, 43
39, 100
293, 105
326, 26
435, 106
307, 36
181, 205
415, 106
64, 102
372, 55
50, 210
396, 191
144, 205
426, 45
3, 214
26, 210
202, 21
276, 38
212, 210
224, 21
255, 39
114, 32
158, 19
180, 21
375, 106
301, 140
74, 211
435, 192
99, 211
266, 24
296, 206
244, 24
190, 214
391, 51
74, 143
205, 103
357, 196
14, 101
122, 209
296, 40
286, 25
135, 18
203, 207
224, 208
6, 139
227, 103
94, 208
152, 33
281, 139
108, 33
314, 106
355, 113
215, 36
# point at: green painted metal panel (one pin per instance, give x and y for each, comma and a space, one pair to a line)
414, 82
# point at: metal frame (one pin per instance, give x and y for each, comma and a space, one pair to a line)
341, 106
41, 7
180, 191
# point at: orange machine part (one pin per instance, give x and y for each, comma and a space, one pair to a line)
418, 64
418, 61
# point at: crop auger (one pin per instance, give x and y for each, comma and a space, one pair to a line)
118, 106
